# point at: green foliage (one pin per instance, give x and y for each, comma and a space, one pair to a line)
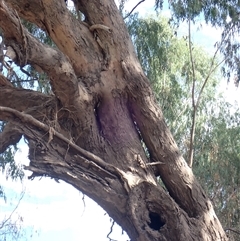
222, 14
8, 165
38, 33
217, 161
165, 59
218, 13
2, 193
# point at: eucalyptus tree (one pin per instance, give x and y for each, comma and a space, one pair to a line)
89, 131
220, 14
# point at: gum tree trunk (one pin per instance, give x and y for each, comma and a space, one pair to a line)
90, 131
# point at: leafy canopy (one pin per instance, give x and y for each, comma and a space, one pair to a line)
221, 14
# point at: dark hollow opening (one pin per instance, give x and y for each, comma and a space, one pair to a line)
155, 221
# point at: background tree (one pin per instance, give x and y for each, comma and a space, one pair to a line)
222, 14
89, 132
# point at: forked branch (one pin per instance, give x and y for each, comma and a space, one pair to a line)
52, 61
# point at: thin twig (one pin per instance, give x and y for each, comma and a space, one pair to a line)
111, 229
195, 103
230, 229
9, 217
212, 69
133, 9
191, 147
84, 204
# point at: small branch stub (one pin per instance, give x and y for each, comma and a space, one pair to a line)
10, 53
100, 26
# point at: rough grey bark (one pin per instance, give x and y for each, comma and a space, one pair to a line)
89, 133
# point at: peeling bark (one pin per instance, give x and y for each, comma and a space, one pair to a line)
89, 133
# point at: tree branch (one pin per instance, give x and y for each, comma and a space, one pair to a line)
172, 168
4, 81
13, 211
232, 230
212, 68
195, 103
22, 99
133, 9
71, 36
108, 15
10, 135
10, 114
63, 79
194, 110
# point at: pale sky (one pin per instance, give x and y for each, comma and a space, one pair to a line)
55, 211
